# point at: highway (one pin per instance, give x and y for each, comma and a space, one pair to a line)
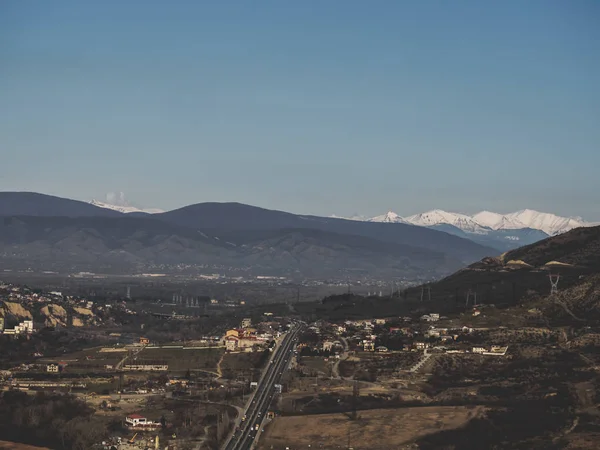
244, 436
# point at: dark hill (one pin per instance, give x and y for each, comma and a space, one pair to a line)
227, 217
506, 280
125, 244
34, 204
580, 247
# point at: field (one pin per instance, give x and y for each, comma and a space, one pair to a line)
181, 360
234, 365
374, 429
88, 360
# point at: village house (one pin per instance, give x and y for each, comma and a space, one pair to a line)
135, 420
368, 345
52, 368
327, 346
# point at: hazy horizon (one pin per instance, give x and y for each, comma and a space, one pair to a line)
313, 108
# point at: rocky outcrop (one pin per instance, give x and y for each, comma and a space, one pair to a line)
54, 315
14, 309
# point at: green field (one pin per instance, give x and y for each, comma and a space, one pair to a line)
181, 360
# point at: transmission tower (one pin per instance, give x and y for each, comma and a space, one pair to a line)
355, 396
471, 294
428, 292
554, 278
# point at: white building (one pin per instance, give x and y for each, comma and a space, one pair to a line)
135, 420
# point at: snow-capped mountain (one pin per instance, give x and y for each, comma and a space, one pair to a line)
485, 221
438, 217
117, 202
548, 223
389, 217
497, 221
125, 209
501, 231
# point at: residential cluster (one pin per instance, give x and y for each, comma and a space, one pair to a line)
247, 338
395, 334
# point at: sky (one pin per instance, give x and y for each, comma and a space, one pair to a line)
339, 107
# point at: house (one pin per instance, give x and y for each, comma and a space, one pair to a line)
135, 419
231, 343
433, 332
235, 333
479, 350
380, 321
368, 345
420, 345
52, 368
497, 350
327, 346
246, 322
144, 341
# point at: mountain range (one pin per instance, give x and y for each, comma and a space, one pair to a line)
44, 232
501, 231
482, 223
64, 234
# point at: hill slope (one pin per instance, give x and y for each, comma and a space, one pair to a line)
520, 273
34, 204
141, 244
239, 217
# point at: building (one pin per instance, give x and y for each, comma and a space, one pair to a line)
135, 419
368, 345
246, 322
231, 343
24, 327
233, 333
144, 341
52, 368
479, 350
146, 366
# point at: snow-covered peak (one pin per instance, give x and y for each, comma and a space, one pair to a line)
497, 221
438, 217
389, 217
125, 209
117, 202
548, 223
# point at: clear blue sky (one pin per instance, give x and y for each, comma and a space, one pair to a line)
317, 107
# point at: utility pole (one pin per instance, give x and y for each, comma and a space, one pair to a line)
554, 279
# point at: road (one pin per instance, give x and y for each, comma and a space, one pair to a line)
244, 436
